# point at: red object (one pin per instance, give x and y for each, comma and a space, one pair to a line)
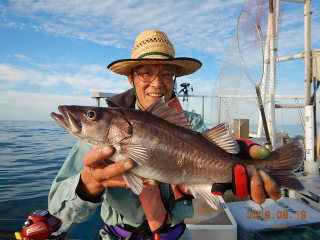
39, 225
241, 181
176, 104
157, 236
217, 193
246, 141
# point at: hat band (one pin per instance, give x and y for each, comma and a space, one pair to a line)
155, 53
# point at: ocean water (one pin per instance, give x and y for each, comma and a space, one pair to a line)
31, 154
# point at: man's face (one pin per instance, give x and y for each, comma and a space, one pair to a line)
150, 92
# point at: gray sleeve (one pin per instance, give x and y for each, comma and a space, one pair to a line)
196, 121
63, 201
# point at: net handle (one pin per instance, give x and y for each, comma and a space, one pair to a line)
239, 47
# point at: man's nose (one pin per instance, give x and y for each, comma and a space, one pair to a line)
157, 80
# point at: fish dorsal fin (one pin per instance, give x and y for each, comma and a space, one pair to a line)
162, 110
222, 136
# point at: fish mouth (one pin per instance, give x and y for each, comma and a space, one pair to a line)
66, 120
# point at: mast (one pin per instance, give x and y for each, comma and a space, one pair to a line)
307, 50
273, 5
311, 165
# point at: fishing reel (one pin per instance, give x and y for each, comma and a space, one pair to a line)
40, 225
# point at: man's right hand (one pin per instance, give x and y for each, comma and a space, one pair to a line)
99, 173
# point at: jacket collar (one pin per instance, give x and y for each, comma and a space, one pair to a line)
126, 99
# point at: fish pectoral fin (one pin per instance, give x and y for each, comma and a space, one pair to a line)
133, 181
138, 153
222, 136
205, 192
192, 190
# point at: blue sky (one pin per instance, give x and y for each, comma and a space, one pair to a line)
56, 52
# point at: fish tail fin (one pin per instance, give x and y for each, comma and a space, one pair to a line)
283, 162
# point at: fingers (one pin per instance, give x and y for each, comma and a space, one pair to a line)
258, 152
116, 169
97, 155
270, 186
256, 186
104, 171
261, 184
114, 182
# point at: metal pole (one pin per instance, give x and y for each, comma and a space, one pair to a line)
287, 58
297, 1
219, 113
307, 32
266, 61
300, 114
226, 106
311, 165
273, 54
263, 116
203, 108
314, 102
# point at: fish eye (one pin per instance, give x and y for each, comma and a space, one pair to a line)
92, 114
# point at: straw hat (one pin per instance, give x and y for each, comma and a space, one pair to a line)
154, 47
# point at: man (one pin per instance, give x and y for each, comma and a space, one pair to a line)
88, 180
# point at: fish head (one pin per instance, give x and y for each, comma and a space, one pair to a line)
92, 125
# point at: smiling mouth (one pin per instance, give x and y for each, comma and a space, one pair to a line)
155, 94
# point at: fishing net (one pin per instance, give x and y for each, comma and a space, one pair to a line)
234, 93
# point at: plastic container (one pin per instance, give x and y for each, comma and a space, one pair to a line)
211, 224
286, 212
296, 233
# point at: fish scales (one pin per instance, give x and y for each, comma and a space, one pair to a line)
173, 154
179, 153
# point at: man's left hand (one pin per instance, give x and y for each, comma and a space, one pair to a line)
261, 184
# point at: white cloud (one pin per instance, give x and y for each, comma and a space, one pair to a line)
33, 106
22, 57
207, 26
111, 23
88, 79
36, 100
15, 75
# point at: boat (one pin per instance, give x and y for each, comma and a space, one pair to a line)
237, 217
227, 223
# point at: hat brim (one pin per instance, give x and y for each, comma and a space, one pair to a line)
185, 66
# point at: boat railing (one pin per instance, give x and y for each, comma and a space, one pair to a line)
104, 95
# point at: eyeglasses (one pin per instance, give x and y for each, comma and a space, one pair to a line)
149, 76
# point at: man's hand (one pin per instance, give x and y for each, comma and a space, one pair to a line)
99, 173
258, 183
261, 184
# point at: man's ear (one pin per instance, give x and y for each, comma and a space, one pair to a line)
130, 79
